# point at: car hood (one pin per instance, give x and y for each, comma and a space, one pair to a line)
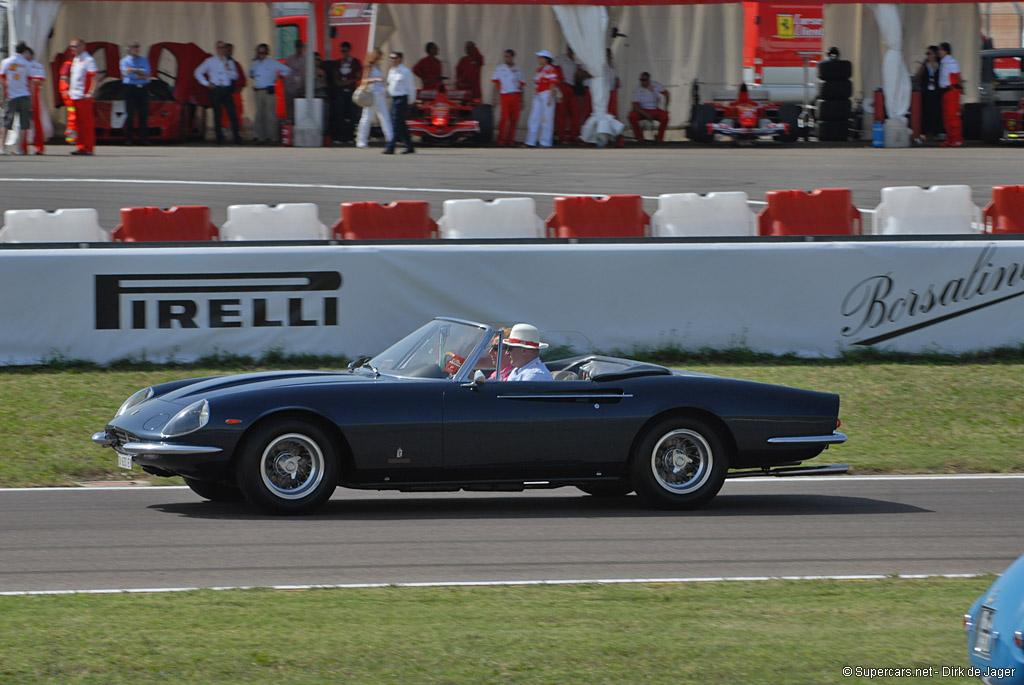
210, 387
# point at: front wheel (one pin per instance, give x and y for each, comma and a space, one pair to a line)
680, 464
287, 467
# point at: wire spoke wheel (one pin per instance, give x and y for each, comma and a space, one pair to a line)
291, 466
681, 461
287, 466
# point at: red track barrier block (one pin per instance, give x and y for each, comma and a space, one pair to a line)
611, 216
1005, 213
396, 221
149, 224
827, 211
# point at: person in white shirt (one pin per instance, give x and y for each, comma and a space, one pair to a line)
569, 109
402, 90
14, 89
949, 86
264, 72
375, 80
508, 84
36, 79
524, 347
218, 73
646, 99
82, 86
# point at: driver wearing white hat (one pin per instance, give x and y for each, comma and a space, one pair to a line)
524, 347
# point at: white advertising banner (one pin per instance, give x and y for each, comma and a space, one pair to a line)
813, 298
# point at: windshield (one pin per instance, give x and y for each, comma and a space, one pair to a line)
436, 350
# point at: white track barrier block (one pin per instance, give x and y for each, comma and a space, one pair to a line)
298, 221
912, 210
714, 214
61, 226
506, 217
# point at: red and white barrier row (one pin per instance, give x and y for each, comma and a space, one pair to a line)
906, 210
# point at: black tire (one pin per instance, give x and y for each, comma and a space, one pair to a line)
834, 110
611, 488
970, 120
836, 90
702, 116
680, 463
833, 130
287, 466
834, 69
991, 125
215, 492
484, 116
789, 114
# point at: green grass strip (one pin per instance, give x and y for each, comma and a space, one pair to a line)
724, 632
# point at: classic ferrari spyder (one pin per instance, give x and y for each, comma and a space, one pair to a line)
422, 416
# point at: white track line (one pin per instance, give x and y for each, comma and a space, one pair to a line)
491, 583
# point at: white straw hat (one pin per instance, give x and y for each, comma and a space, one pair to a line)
544, 53
525, 335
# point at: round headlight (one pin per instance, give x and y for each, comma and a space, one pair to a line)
136, 399
191, 418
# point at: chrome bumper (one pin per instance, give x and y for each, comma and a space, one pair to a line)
835, 439
137, 449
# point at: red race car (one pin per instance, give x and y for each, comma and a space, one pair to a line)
176, 100
450, 115
744, 118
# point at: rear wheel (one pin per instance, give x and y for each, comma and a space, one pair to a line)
991, 125
680, 464
288, 466
484, 116
790, 115
702, 116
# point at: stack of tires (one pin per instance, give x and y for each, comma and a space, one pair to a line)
834, 99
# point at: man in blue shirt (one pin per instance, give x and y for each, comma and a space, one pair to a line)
524, 347
135, 75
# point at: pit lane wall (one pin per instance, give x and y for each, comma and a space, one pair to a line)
811, 298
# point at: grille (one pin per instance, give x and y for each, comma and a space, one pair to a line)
120, 437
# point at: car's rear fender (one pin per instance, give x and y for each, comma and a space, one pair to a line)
687, 412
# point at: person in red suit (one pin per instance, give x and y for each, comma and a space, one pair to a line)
429, 69
949, 85
82, 87
36, 78
467, 71
508, 84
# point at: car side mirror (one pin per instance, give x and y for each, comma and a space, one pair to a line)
478, 380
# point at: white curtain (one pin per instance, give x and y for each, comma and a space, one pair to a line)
31, 21
586, 28
895, 78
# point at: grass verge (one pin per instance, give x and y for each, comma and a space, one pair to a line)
732, 632
901, 418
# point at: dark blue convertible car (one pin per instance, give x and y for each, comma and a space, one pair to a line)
420, 416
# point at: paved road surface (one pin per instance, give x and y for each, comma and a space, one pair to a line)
167, 537
330, 176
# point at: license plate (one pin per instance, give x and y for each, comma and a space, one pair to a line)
124, 461
983, 632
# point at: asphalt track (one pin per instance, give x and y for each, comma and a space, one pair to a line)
167, 538
218, 176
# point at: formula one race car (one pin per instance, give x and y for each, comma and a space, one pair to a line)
441, 114
744, 118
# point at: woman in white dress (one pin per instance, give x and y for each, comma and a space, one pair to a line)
373, 76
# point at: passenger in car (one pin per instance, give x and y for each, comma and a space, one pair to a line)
506, 365
524, 349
